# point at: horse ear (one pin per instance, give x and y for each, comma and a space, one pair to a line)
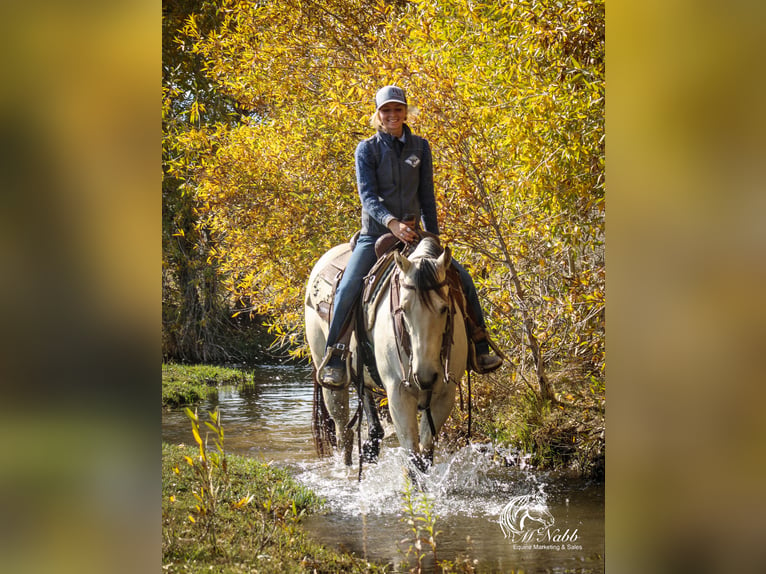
445, 258
402, 262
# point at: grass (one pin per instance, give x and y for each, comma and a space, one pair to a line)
566, 435
263, 534
189, 384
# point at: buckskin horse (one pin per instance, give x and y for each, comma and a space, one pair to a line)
411, 336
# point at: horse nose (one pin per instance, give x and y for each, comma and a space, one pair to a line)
427, 380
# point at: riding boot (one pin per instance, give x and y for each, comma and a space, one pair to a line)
483, 361
334, 372
480, 358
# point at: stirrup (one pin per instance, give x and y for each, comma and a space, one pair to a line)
343, 352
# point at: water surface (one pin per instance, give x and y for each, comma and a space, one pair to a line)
558, 528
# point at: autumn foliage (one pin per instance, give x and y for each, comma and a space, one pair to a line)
510, 96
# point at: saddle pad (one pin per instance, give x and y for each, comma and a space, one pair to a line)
320, 294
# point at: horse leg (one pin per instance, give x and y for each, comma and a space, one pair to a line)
404, 410
441, 407
337, 405
371, 447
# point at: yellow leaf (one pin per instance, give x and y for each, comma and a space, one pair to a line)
195, 432
243, 501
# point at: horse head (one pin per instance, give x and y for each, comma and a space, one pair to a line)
425, 308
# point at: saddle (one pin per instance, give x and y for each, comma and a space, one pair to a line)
322, 292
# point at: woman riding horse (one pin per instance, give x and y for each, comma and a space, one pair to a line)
394, 173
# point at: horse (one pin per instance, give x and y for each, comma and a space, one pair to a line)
416, 331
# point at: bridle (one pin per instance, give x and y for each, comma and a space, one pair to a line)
403, 343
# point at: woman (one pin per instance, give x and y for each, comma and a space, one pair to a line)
394, 173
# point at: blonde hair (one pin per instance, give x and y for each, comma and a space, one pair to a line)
375, 122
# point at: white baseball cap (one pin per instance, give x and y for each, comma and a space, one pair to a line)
388, 94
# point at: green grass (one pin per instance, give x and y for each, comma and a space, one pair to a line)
263, 535
189, 384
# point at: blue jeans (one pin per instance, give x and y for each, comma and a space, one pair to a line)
350, 288
359, 264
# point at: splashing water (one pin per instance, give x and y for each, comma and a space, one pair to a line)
470, 490
468, 482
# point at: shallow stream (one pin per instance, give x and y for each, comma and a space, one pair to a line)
499, 517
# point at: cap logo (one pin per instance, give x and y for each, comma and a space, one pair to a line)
390, 94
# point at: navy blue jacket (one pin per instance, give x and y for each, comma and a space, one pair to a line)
392, 185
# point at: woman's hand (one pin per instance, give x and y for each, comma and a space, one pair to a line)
403, 230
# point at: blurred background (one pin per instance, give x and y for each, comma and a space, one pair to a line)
80, 286
80, 231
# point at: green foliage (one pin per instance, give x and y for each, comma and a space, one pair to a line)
211, 476
188, 384
231, 513
258, 535
421, 521
567, 434
529, 419
511, 97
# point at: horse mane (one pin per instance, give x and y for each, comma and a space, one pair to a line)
424, 275
428, 247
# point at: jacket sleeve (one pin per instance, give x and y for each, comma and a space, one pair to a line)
367, 183
426, 191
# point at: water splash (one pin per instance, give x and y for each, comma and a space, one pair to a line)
474, 481
469, 489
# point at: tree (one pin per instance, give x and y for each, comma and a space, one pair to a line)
196, 316
510, 95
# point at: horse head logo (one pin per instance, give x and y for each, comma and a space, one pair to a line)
527, 512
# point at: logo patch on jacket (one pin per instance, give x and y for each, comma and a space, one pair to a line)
413, 160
